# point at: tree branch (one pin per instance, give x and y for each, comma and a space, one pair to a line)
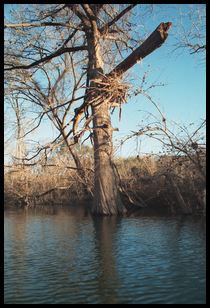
79, 13
88, 11
96, 8
113, 21
42, 24
47, 58
154, 41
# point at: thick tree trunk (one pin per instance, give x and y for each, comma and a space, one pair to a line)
106, 196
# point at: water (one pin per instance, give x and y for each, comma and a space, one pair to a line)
66, 257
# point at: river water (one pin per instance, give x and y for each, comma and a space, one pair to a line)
68, 257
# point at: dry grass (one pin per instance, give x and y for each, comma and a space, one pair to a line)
150, 179
53, 184
143, 178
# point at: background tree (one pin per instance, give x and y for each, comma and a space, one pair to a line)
193, 37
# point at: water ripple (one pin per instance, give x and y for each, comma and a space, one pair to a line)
70, 258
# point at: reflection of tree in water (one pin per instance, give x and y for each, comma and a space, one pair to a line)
16, 253
108, 280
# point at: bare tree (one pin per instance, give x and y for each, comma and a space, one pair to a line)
43, 37
183, 157
192, 36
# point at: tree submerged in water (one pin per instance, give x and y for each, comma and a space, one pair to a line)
57, 56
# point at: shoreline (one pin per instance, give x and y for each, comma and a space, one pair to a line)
85, 206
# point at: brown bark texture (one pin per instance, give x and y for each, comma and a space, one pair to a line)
106, 196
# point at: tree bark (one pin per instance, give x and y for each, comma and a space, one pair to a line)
106, 196
107, 200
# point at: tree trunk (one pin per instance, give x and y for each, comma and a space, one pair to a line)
106, 196
181, 203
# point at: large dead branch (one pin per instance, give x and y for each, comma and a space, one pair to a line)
154, 41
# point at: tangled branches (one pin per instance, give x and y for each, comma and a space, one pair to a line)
106, 89
111, 87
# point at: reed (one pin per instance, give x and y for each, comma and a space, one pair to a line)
165, 184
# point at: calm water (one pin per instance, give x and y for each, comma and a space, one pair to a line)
66, 257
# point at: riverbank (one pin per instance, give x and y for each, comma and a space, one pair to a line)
147, 185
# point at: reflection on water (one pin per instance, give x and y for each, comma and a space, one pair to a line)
68, 257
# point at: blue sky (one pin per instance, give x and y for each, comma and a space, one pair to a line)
182, 99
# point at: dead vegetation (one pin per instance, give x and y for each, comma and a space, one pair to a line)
57, 183
166, 184
148, 184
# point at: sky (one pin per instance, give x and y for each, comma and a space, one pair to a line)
182, 99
